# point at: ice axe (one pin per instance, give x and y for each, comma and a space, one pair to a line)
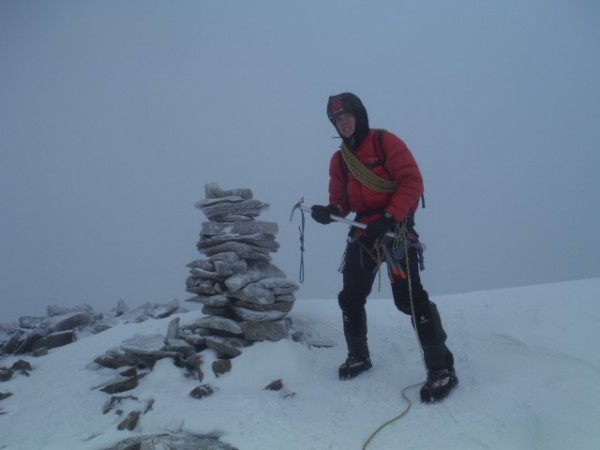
362, 226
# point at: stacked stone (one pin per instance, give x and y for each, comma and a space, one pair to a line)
244, 295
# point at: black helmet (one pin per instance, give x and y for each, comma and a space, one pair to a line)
350, 103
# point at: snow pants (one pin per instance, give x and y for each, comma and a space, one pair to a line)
359, 271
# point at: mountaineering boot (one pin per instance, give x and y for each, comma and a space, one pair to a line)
438, 385
354, 366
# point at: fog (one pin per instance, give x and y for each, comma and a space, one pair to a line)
115, 114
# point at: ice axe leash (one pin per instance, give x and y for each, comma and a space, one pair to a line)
302, 208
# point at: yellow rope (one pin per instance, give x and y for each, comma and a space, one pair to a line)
412, 308
365, 175
392, 420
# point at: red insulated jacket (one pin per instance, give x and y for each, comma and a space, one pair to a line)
350, 195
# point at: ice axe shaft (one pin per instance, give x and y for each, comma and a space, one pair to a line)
362, 226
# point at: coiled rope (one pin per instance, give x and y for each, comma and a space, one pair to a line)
365, 175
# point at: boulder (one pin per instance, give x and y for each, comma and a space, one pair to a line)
69, 321
54, 340
261, 331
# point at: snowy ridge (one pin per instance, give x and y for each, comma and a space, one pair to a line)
526, 357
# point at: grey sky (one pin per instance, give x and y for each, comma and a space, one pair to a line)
115, 114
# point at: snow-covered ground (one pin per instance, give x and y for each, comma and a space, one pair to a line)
528, 360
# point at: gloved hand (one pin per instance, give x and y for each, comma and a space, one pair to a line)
322, 214
379, 227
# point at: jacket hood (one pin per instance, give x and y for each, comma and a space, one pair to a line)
347, 102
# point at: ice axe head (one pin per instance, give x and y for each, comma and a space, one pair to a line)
296, 206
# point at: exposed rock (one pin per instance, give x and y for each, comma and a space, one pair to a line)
214, 191
40, 352
194, 366
198, 340
173, 330
260, 331
166, 441
31, 322
122, 386
4, 395
152, 311
55, 310
162, 311
276, 385
131, 421
13, 342
142, 346
22, 366
255, 293
258, 316
54, 340
131, 372
113, 359
233, 228
256, 271
122, 308
180, 346
232, 207
202, 391
27, 344
221, 367
226, 347
69, 321
5, 374
220, 324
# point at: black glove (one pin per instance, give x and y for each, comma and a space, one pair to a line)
379, 227
322, 214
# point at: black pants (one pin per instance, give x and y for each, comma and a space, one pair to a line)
359, 271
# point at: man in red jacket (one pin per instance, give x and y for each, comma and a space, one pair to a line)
375, 175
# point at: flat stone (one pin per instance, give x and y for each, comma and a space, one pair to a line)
112, 360
256, 272
261, 331
121, 386
246, 227
220, 324
54, 340
283, 307
255, 293
69, 321
180, 346
213, 190
258, 316
144, 345
162, 311
249, 208
226, 347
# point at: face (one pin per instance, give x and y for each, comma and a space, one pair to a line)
345, 124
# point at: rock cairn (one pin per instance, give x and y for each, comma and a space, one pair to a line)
245, 297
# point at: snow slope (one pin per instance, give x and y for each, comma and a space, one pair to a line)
528, 361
